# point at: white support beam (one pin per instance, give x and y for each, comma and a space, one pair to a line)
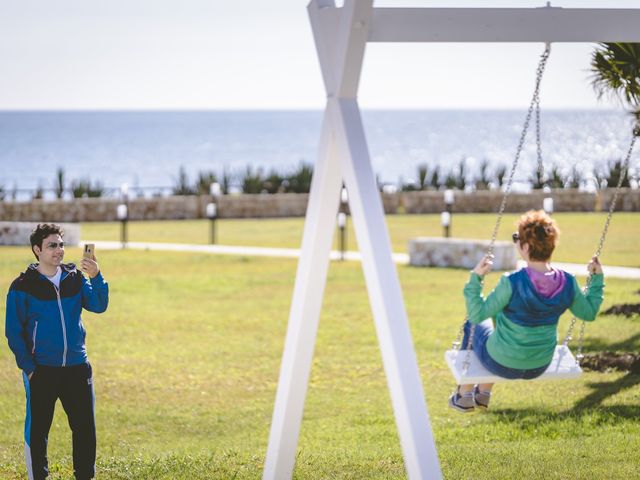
546, 24
385, 295
340, 46
304, 315
340, 40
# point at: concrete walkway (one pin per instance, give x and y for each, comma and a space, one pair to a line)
399, 258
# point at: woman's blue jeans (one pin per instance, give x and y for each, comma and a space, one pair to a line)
480, 336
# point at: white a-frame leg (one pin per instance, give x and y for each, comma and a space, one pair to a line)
344, 156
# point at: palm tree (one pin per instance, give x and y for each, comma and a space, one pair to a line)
59, 187
226, 181
422, 176
435, 178
482, 182
181, 186
615, 69
501, 172
300, 180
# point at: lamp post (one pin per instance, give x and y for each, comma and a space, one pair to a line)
446, 216
547, 205
212, 214
215, 190
342, 220
344, 196
212, 209
445, 221
122, 213
342, 223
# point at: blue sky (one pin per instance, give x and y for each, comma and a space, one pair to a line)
256, 54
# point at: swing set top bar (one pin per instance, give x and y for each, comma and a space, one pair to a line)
544, 24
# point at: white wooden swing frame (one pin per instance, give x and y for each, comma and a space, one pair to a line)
341, 35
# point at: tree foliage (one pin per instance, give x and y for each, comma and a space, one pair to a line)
615, 69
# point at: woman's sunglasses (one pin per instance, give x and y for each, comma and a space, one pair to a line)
54, 245
515, 237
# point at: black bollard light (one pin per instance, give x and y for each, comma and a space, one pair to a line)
343, 217
342, 223
215, 190
447, 219
122, 213
212, 214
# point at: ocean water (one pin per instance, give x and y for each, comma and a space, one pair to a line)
147, 149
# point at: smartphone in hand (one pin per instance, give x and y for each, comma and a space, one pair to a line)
89, 250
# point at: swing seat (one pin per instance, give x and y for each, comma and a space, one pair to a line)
563, 366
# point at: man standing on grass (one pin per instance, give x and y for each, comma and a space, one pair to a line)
46, 335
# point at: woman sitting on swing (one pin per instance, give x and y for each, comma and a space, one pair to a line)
525, 305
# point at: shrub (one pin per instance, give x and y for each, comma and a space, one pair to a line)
450, 181
181, 186
84, 188
204, 181
38, 193
300, 180
574, 179
538, 180
556, 179
274, 182
482, 182
252, 182
613, 175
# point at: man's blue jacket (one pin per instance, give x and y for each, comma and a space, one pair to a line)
43, 323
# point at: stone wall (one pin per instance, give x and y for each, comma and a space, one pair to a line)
18, 233
459, 253
564, 200
294, 205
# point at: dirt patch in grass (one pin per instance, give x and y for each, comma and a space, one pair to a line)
626, 309
604, 361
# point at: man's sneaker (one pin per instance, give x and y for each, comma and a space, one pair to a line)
462, 403
481, 398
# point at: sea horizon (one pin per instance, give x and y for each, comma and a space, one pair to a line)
147, 147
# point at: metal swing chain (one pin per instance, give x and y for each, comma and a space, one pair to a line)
535, 101
541, 171
603, 236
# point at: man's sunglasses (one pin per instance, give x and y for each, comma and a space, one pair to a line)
54, 245
515, 237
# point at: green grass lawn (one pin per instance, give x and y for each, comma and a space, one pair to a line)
580, 233
187, 357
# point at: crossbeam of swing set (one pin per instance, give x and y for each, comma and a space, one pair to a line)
544, 24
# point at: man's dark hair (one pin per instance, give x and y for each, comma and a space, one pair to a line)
42, 231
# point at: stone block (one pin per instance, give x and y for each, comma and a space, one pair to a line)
17, 233
459, 253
